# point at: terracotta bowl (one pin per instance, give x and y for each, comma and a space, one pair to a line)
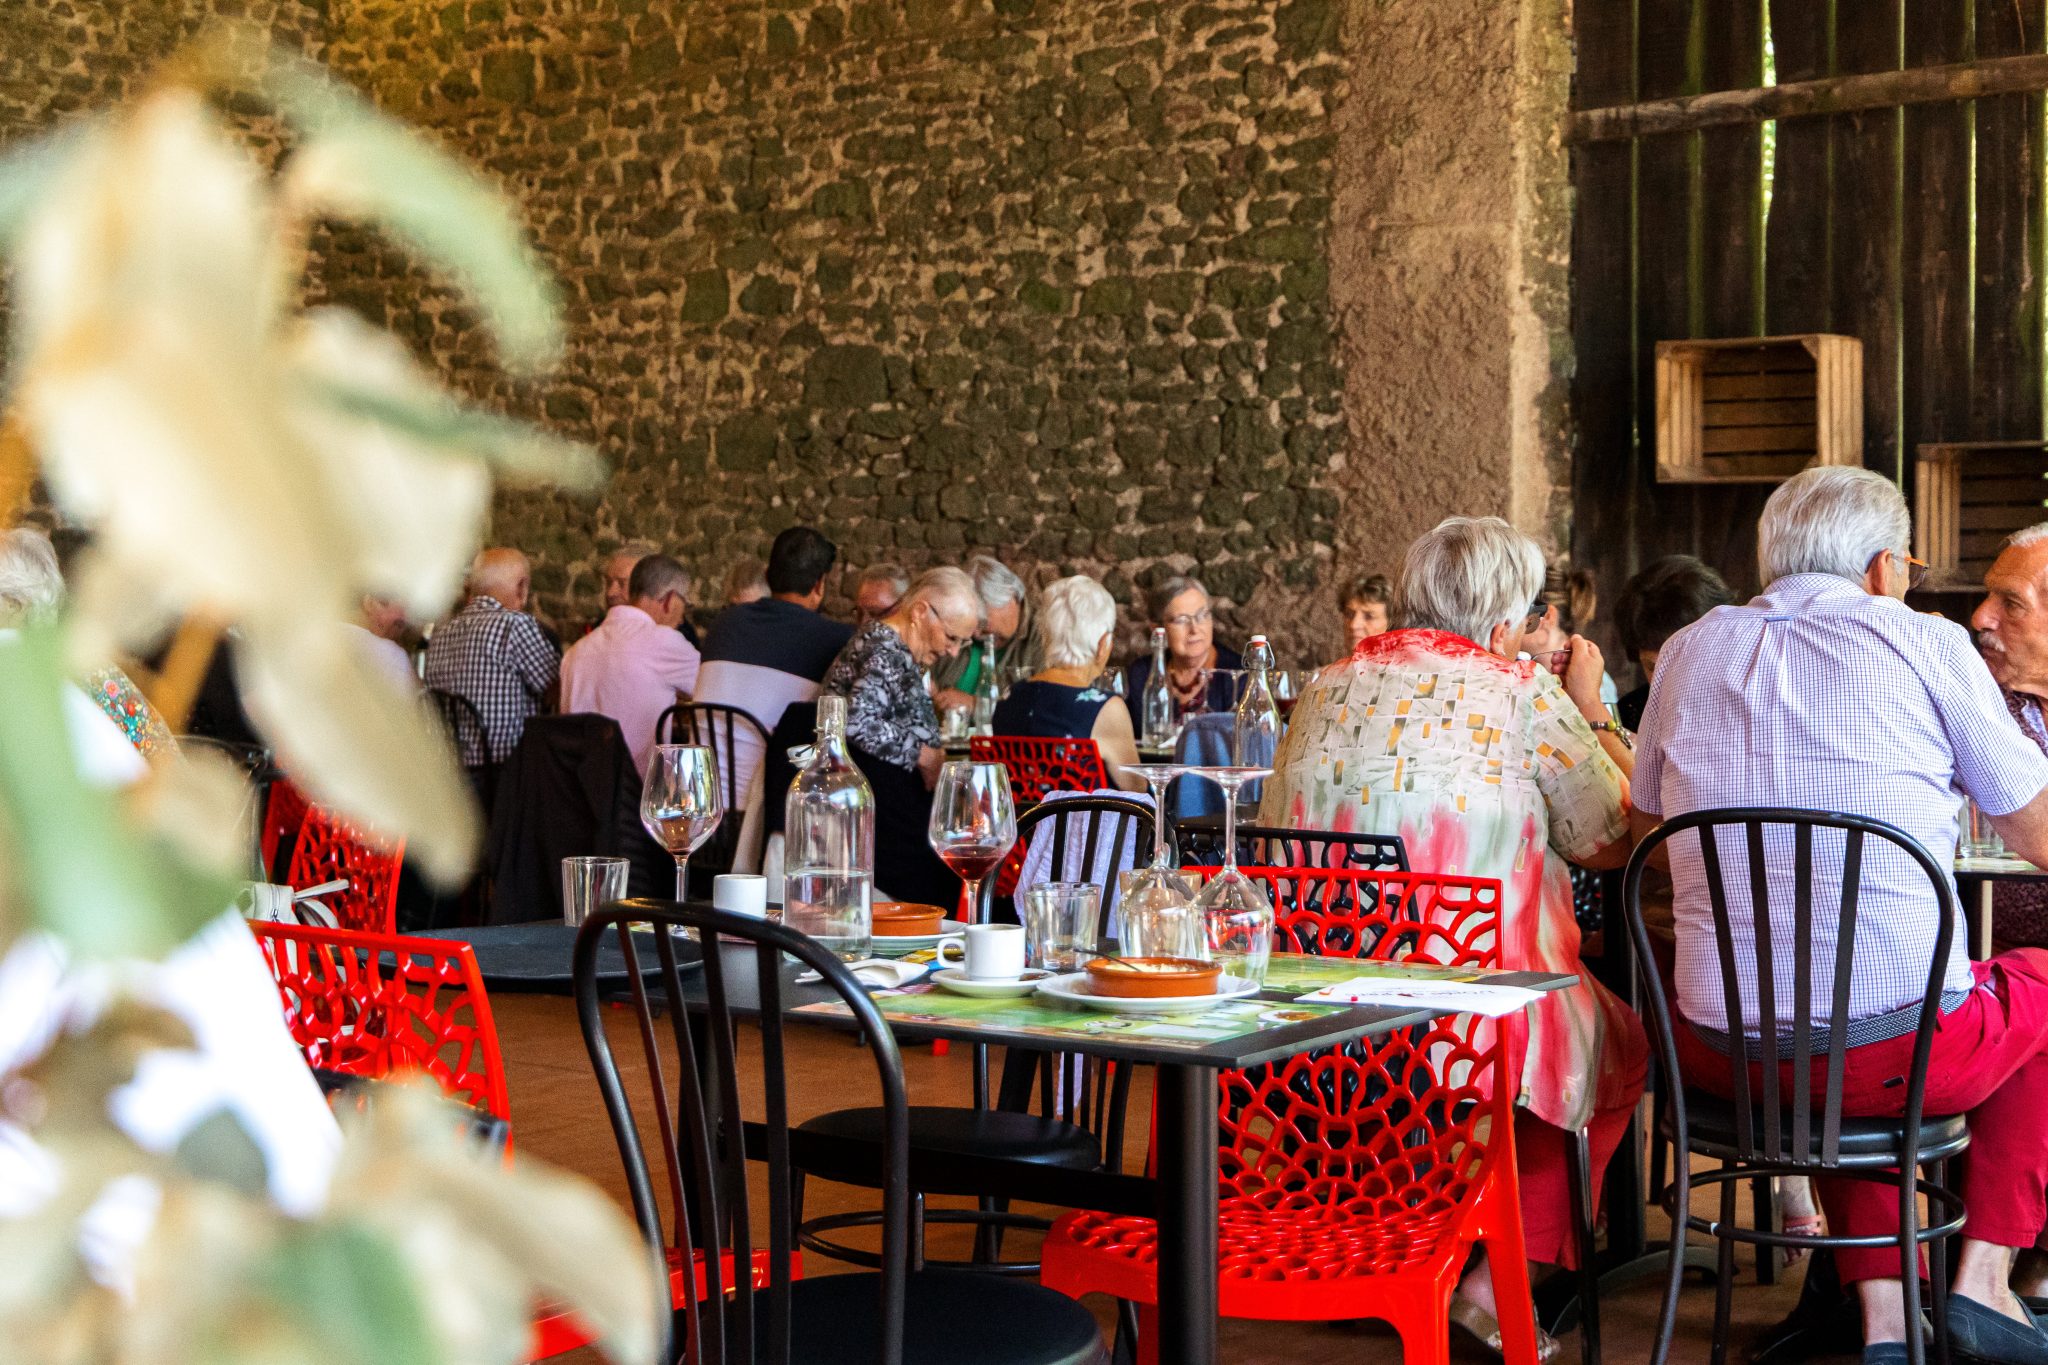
1151, 977
900, 919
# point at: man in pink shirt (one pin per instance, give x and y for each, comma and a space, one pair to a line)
636, 665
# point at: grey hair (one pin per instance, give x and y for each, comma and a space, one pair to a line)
1161, 597
994, 581
1832, 520
639, 549
1468, 575
2029, 535
31, 585
892, 574
1073, 616
656, 576
946, 589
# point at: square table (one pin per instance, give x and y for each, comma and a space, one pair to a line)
1182, 1198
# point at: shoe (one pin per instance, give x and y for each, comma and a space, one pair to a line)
1980, 1332
1484, 1328
1885, 1353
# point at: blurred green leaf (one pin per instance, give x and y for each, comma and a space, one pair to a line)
515, 449
350, 1282
358, 163
86, 880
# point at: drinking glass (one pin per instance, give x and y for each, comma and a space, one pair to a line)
973, 824
1286, 687
1060, 922
1158, 921
1158, 885
1235, 677
587, 884
680, 803
1979, 839
1236, 916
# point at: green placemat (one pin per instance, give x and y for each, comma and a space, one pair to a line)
1298, 974
1032, 1015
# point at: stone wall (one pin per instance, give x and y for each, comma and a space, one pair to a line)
1048, 278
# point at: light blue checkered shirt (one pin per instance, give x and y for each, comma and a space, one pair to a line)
1819, 695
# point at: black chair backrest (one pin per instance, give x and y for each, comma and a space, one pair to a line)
465, 726
699, 1130
712, 724
1091, 825
1200, 842
1786, 1112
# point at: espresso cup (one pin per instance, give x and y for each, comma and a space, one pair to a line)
741, 893
987, 952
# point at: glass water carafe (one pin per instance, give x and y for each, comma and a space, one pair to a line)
829, 843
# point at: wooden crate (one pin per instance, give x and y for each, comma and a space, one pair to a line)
1757, 409
1968, 497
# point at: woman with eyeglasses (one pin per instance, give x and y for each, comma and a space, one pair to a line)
1192, 654
881, 671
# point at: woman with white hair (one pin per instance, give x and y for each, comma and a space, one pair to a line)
31, 591
1488, 766
1076, 631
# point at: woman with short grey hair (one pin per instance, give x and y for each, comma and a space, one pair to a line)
1077, 631
1182, 606
1442, 732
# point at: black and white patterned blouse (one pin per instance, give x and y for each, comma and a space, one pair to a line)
888, 712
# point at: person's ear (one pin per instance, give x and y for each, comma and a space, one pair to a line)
1877, 575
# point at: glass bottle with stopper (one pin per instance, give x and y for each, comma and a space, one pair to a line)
988, 689
1157, 703
1256, 734
829, 843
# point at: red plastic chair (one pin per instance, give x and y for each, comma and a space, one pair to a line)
284, 815
1354, 1182
1037, 767
372, 1005
328, 849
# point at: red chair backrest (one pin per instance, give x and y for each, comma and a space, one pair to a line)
1404, 1125
372, 1005
1037, 766
328, 849
284, 815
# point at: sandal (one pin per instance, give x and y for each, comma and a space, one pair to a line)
1799, 1214
1484, 1328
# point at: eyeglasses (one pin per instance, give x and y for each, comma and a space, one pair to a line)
1189, 620
953, 642
1916, 570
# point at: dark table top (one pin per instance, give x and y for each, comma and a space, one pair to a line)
536, 957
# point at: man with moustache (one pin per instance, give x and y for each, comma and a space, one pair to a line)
2011, 625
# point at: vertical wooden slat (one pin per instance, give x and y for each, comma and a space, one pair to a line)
1729, 210
1935, 236
1865, 220
1667, 247
2005, 384
1798, 240
1606, 472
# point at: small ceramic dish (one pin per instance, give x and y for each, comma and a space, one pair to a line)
1146, 978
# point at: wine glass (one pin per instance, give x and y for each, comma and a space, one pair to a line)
1158, 886
680, 803
1237, 917
973, 824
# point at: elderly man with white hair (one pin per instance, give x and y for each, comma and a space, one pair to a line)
494, 654
1828, 693
1489, 766
1076, 631
1006, 619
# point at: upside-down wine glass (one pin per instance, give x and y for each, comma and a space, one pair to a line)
680, 803
973, 824
1236, 916
1150, 895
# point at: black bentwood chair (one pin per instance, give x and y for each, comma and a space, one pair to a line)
761, 1316
1773, 1128
968, 1151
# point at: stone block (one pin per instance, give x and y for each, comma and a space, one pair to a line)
845, 376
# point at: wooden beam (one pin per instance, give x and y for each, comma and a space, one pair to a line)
1832, 95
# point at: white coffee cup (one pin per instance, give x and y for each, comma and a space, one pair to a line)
988, 952
741, 893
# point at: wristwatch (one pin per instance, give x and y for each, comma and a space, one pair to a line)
1628, 741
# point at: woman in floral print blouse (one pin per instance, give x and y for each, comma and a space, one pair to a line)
880, 672
1489, 766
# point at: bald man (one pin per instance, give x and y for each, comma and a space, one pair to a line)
494, 654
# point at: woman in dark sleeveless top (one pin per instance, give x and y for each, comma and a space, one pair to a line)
1077, 625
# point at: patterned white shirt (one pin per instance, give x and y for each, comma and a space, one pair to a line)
502, 661
1821, 696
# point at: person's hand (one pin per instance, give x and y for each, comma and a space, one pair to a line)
952, 699
1582, 678
929, 761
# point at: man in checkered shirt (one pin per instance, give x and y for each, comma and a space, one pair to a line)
494, 654
1828, 693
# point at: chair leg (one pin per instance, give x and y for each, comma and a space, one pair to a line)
1763, 1196
1425, 1341
1579, 1177
1123, 1347
916, 1230
1724, 1277
1937, 1274
1148, 1334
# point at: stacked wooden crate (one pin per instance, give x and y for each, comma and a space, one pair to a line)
1969, 496
1757, 409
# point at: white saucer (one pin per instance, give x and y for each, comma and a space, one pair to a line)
954, 980
1072, 988
910, 943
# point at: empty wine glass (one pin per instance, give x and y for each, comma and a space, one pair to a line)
973, 824
1159, 885
1237, 917
680, 803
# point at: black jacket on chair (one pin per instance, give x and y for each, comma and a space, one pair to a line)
569, 790
905, 865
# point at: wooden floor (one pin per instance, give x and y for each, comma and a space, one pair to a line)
557, 1116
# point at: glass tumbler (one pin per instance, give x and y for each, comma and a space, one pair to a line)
589, 884
1061, 920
